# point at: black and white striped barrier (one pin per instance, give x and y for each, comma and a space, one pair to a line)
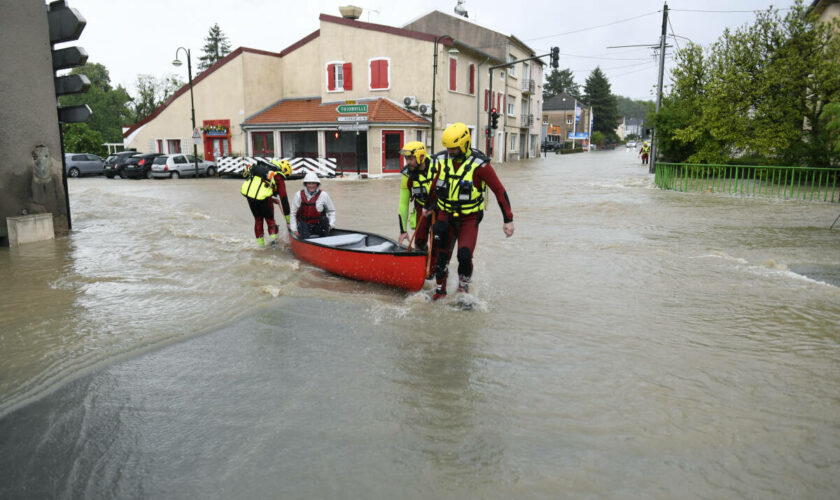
235, 165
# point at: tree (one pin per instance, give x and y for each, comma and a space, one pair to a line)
109, 106
759, 94
152, 92
560, 81
831, 113
80, 138
631, 108
216, 46
597, 93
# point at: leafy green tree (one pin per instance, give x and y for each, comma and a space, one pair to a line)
631, 108
831, 114
759, 94
216, 46
558, 82
598, 94
109, 105
152, 92
81, 138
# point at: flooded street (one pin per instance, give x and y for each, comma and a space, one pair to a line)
628, 342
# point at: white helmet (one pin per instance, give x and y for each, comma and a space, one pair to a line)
311, 177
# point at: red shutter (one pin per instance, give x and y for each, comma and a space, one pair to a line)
348, 76
486, 99
374, 74
330, 77
453, 73
472, 78
383, 75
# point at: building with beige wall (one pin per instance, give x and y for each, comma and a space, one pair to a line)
517, 90
286, 104
567, 119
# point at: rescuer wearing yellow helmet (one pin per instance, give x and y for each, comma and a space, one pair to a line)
645, 153
415, 187
264, 186
464, 176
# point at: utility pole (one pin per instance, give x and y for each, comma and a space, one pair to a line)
652, 164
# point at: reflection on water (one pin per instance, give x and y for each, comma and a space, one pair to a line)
630, 342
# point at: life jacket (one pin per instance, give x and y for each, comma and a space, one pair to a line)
420, 183
457, 193
308, 212
645, 150
257, 188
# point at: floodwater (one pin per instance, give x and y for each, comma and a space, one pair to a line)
627, 342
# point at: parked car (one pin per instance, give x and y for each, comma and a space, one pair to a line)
181, 165
551, 146
83, 164
139, 166
112, 162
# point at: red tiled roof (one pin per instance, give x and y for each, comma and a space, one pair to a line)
302, 111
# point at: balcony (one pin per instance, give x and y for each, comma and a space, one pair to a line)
526, 120
527, 86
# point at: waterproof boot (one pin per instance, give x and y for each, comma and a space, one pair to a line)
273, 238
463, 284
440, 289
260, 241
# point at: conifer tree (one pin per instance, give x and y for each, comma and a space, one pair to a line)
598, 94
558, 82
216, 46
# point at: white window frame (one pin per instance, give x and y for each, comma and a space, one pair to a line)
339, 65
511, 105
514, 138
511, 69
370, 75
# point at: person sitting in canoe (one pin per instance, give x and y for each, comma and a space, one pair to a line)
313, 212
264, 186
415, 187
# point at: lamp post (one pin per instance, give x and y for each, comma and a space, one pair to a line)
453, 50
176, 63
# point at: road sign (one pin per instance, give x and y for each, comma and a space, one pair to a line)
352, 108
196, 137
352, 118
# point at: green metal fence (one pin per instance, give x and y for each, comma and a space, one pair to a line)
802, 183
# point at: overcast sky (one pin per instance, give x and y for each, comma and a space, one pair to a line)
131, 37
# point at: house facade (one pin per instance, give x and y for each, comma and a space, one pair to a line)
517, 90
567, 119
351, 91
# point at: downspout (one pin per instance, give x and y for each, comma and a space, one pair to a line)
478, 103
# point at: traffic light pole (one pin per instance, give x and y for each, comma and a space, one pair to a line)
498, 66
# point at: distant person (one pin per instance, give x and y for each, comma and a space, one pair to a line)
645, 153
465, 174
313, 212
415, 191
263, 188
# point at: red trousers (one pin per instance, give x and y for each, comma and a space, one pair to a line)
447, 231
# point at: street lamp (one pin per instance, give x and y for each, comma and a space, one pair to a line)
453, 50
177, 62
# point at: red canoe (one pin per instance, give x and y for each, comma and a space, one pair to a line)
365, 257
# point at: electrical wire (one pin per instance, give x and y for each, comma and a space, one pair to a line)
675, 36
724, 11
593, 27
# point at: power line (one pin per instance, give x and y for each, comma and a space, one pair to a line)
723, 11
593, 27
675, 36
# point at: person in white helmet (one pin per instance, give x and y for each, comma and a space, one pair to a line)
313, 212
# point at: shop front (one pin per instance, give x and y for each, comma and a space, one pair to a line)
216, 139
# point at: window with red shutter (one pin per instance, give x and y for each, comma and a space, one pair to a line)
453, 73
379, 74
486, 99
472, 79
330, 77
348, 76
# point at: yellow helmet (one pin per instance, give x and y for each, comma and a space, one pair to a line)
284, 167
456, 135
416, 149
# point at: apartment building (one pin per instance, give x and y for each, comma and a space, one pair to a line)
517, 90
567, 119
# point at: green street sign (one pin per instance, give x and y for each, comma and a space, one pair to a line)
352, 108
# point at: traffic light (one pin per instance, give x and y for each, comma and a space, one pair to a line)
555, 57
337, 134
487, 132
494, 118
66, 24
